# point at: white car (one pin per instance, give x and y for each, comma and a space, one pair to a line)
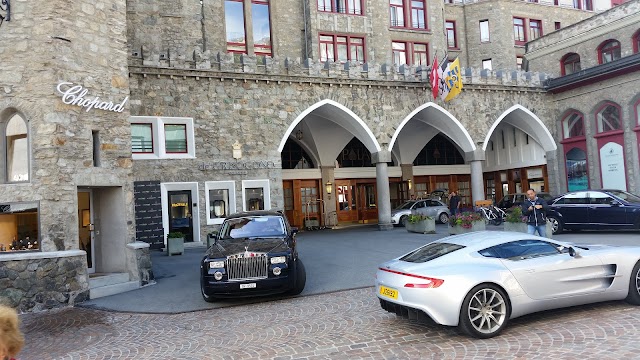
478, 281
431, 207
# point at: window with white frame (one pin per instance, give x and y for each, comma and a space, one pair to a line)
484, 31
221, 200
16, 149
162, 138
255, 195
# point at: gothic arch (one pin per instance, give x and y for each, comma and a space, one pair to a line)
517, 116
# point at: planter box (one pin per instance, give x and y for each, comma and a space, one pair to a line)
422, 226
522, 227
175, 246
475, 226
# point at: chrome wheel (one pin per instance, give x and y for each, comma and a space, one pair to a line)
555, 225
444, 218
638, 281
487, 311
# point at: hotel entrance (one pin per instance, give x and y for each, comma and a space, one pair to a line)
356, 201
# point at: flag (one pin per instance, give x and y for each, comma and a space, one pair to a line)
435, 80
454, 80
443, 73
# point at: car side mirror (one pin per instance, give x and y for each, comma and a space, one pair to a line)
294, 230
615, 203
572, 252
213, 237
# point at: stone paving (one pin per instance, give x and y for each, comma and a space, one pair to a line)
340, 325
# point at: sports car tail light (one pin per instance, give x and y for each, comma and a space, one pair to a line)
433, 282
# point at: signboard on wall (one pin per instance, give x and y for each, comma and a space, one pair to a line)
148, 213
535, 173
612, 166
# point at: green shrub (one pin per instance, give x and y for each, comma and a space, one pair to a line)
175, 235
514, 215
414, 218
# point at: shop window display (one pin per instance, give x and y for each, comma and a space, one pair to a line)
19, 227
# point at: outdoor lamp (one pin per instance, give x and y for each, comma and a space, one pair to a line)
329, 187
409, 183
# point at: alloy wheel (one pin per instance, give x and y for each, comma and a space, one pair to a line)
487, 311
444, 218
638, 281
554, 224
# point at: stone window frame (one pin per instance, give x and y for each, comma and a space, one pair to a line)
5, 117
409, 17
570, 59
252, 184
520, 29
230, 186
333, 7
610, 46
599, 125
451, 29
488, 35
5, 208
159, 150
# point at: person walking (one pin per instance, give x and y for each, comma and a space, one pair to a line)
454, 203
535, 209
11, 339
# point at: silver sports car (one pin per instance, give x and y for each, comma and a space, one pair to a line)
478, 281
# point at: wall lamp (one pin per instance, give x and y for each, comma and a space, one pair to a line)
409, 183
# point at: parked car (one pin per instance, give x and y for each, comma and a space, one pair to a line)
253, 254
595, 210
516, 199
434, 208
479, 281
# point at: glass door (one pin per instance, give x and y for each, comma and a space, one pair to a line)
346, 201
180, 217
368, 204
86, 239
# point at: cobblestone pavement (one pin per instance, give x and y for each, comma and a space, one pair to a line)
341, 325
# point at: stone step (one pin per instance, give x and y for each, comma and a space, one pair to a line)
99, 280
108, 290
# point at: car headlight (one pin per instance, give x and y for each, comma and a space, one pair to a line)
279, 260
216, 264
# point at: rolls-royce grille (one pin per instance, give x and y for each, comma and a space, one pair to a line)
248, 268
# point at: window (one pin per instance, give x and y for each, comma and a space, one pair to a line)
558, 25
521, 250
261, 27
535, 29
583, 4
450, 27
409, 53
341, 48
570, 64
484, 31
234, 25
16, 149
637, 106
598, 198
519, 62
636, 42
486, 64
20, 227
255, 195
609, 51
221, 200
430, 251
353, 7
415, 18
162, 137
518, 31
95, 139
573, 125
608, 118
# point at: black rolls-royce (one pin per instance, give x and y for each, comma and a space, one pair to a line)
253, 254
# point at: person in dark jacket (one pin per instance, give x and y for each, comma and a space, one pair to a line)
535, 209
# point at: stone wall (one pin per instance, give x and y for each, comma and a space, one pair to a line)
139, 259
584, 38
35, 282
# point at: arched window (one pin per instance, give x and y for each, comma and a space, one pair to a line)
609, 51
16, 149
636, 42
573, 125
570, 64
608, 118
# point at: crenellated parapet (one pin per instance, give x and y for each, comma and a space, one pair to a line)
223, 62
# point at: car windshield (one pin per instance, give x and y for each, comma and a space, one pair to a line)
406, 206
430, 252
626, 196
252, 226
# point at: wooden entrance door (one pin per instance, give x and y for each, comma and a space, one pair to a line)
346, 201
367, 202
302, 202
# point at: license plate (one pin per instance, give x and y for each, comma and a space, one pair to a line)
248, 286
388, 292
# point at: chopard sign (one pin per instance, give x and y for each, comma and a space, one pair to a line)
237, 165
75, 95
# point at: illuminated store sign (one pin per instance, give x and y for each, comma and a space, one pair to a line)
76, 95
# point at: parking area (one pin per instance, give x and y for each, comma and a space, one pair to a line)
335, 260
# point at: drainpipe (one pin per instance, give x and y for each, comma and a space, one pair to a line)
204, 37
306, 41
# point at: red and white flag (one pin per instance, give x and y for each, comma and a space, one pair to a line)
434, 78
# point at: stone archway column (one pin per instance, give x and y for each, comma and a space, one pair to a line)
477, 179
381, 158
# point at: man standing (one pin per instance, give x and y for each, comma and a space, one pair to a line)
454, 203
535, 209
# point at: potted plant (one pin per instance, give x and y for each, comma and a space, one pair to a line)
515, 221
466, 222
175, 243
421, 223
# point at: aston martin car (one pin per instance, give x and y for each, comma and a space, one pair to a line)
253, 254
478, 281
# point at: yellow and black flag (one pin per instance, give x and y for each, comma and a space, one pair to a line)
453, 80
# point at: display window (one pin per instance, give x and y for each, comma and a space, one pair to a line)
19, 227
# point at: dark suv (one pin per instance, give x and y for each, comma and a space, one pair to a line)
511, 200
253, 254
